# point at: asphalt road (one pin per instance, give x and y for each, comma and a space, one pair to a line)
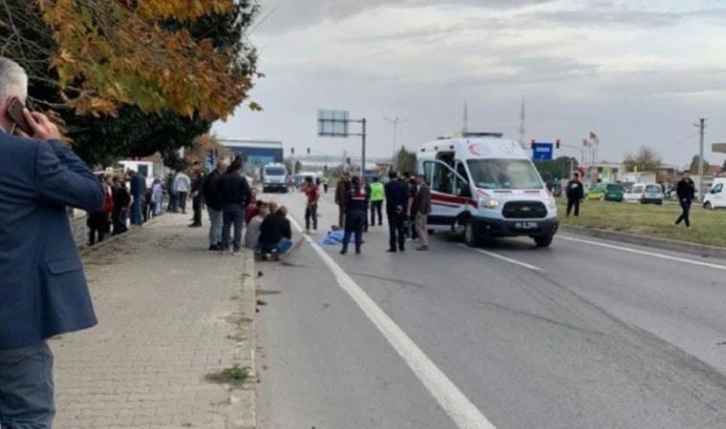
585, 334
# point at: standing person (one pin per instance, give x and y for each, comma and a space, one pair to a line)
396, 208
341, 193
312, 191
98, 221
420, 210
686, 191
326, 183
356, 215
172, 207
182, 185
197, 199
157, 197
377, 197
213, 200
367, 190
412, 187
121, 202
43, 292
234, 191
575, 194
138, 192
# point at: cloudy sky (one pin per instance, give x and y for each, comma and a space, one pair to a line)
636, 72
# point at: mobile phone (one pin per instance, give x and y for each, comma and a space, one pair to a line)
15, 111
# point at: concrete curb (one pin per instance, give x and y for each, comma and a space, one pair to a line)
243, 400
658, 243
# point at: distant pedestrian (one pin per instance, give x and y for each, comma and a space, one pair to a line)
234, 192
686, 191
326, 183
367, 190
396, 193
575, 195
377, 197
197, 190
157, 197
121, 203
341, 193
182, 186
355, 216
213, 200
43, 292
99, 221
138, 192
312, 192
420, 210
410, 222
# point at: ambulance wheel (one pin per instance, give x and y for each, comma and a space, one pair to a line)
470, 237
543, 241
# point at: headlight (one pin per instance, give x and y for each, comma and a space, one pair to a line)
488, 203
551, 203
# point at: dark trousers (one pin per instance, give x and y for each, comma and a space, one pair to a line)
98, 226
232, 215
197, 206
685, 213
182, 201
311, 213
354, 221
573, 203
325, 188
26, 387
341, 216
396, 231
377, 207
119, 221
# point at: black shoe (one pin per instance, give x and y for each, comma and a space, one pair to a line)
215, 247
343, 251
402, 249
391, 250
357, 250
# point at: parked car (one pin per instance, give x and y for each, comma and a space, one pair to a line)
606, 192
645, 193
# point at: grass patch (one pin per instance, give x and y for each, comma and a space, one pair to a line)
707, 226
234, 376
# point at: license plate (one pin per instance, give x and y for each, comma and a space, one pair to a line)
526, 225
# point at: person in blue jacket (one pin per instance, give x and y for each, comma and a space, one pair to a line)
43, 291
355, 216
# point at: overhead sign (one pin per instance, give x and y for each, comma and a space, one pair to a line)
719, 147
333, 123
542, 151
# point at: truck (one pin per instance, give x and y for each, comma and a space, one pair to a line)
256, 153
484, 187
274, 178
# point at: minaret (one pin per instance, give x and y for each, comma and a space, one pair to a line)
522, 122
465, 128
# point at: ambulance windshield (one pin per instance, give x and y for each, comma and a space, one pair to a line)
504, 174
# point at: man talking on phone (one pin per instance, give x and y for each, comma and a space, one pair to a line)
43, 291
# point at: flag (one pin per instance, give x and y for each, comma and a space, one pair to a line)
594, 138
585, 143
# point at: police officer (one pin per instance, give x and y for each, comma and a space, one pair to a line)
355, 216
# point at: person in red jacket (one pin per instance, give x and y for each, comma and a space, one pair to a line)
99, 221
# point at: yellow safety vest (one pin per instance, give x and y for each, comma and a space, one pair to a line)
377, 191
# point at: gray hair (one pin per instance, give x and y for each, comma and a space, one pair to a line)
13, 80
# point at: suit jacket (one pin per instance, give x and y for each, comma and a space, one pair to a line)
422, 201
43, 291
396, 196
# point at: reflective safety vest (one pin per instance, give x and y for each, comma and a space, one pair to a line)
377, 191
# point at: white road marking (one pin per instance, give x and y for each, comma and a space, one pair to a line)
503, 258
643, 252
464, 414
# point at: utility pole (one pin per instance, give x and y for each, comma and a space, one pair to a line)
702, 132
395, 121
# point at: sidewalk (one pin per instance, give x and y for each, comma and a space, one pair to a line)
170, 313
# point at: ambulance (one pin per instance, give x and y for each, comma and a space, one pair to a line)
485, 187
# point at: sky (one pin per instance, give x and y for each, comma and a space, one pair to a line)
635, 72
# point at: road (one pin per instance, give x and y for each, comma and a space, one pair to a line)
585, 334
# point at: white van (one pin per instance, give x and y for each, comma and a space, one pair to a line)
274, 178
487, 187
715, 198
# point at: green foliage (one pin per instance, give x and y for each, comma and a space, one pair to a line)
646, 159
556, 169
694, 165
406, 161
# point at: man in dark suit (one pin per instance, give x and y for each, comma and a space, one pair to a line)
138, 193
396, 209
43, 291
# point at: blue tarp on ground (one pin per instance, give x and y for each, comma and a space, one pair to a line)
335, 238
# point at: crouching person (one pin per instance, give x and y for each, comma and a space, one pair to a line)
275, 235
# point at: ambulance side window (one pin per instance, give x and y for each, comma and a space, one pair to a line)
440, 178
462, 188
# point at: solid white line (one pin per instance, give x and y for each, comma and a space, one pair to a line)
503, 258
464, 414
643, 252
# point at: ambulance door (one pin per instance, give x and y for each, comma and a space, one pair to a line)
447, 202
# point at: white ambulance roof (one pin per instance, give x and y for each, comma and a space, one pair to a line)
473, 148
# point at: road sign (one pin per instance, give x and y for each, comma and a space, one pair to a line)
719, 147
333, 123
542, 151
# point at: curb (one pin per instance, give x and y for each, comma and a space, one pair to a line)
658, 243
243, 400
85, 249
